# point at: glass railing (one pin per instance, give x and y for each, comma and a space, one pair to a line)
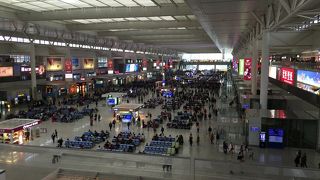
299, 65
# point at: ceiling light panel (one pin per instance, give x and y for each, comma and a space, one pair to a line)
30, 7
119, 19
131, 19
128, 3
145, 2
95, 20
163, 1
192, 17
111, 3
106, 20
83, 21
94, 3
61, 4
77, 3
44, 5
181, 18
155, 18
143, 19
178, 1
167, 18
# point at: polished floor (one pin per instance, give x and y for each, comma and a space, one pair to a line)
203, 161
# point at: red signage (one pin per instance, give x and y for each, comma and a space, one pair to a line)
158, 62
68, 66
144, 62
287, 75
247, 69
110, 64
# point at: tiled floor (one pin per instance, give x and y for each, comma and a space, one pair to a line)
206, 159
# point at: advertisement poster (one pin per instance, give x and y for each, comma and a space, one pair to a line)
6, 71
68, 66
309, 81
273, 72
110, 64
235, 64
144, 62
102, 62
241, 67
132, 67
54, 64
75, 63
287, 75
88, 63
247, 69
40, 70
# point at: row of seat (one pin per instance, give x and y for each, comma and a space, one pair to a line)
161, 143
79, 144
159, 150
122, 148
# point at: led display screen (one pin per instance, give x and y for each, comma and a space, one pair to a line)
88, 63
247, 69
273, 72
132, 67
6, 71
275, 135
309, 81
54, 64
241, 67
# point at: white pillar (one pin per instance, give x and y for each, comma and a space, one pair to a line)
33, 71
254, 69
264, 70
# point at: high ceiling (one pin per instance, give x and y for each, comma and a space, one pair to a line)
165, 23
192, 26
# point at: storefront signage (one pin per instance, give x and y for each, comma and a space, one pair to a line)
6, 71
75, 63
241, 67
144, 62
68, 66
247, 69
309, 81
287, 75
30, 125
110, 64
54, 64
39, 70
88, 63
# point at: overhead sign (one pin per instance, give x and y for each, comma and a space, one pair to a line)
6, 71
54, 64
75, 63
287, 75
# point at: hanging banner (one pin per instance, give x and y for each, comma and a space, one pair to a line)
247, 69
241, 67
54, 64
68, 66
88, 63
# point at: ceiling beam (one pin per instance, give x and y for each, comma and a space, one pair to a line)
150, 32
106, 12
170, 37
131, 25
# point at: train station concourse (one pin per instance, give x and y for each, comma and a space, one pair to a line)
159, 89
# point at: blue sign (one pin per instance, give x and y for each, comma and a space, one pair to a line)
254, 129
111, 101
126, 117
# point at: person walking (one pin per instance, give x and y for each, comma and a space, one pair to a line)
304, 161
297, 159
53, 137
56, 133
198, 140
110, 125
162, 130
211, 138
190, 139
128, 125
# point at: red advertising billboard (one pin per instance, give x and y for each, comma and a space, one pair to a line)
68, 65
247, 69
144, 62
110, 64
287, 75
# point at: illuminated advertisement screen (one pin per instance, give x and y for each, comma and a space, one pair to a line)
287, 75
132, 67
6, 71
247, 69
241, 67
75, 63
309, 81
235, 64
102, 62
54, 64
39, 69
276, 135
110, 64
273, 72
68, 66
88, 63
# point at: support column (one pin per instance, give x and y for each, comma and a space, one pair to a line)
264, 69
223, 54
33, 72
254, 69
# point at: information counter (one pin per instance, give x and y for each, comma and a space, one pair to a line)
127, 112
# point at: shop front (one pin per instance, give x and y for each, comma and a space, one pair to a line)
19, 131
127, 112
